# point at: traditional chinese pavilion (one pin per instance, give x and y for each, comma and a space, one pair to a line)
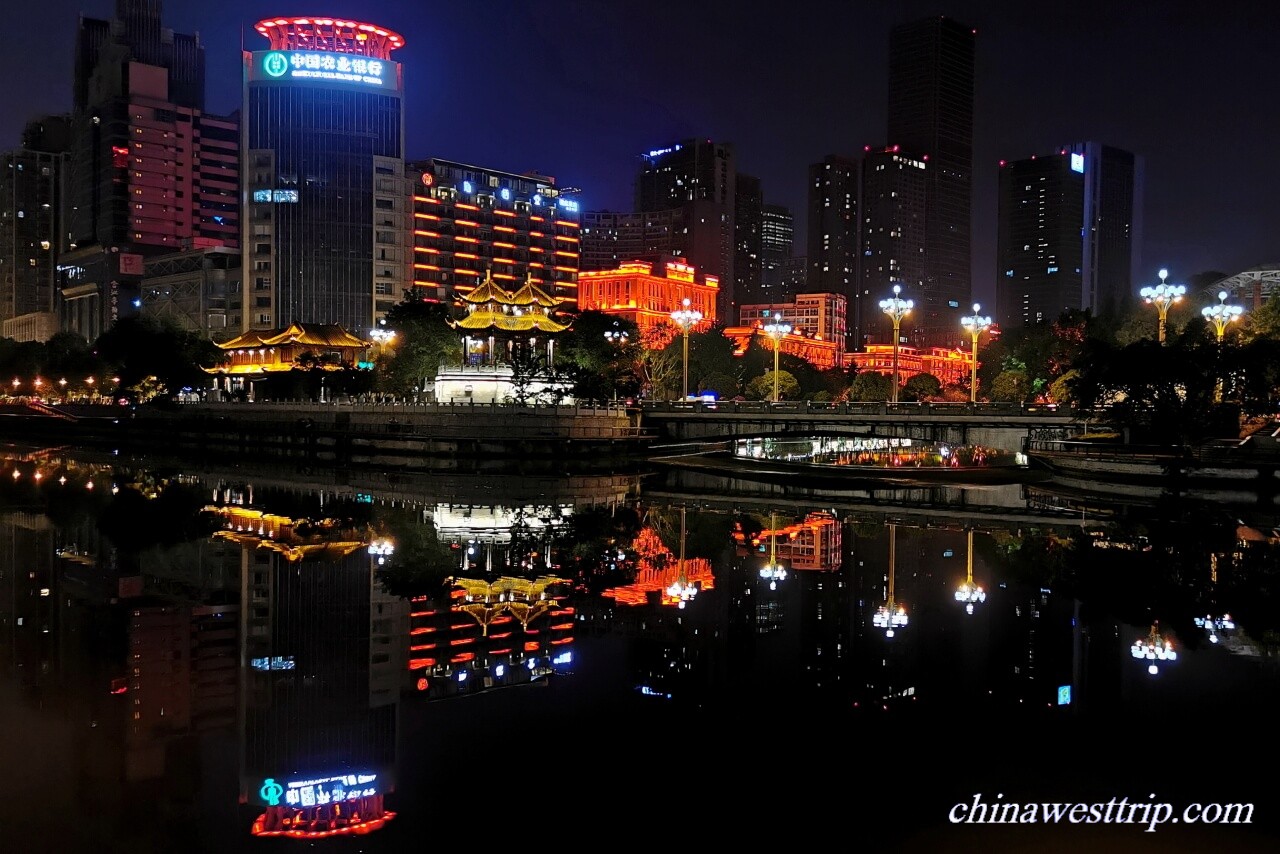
326, 347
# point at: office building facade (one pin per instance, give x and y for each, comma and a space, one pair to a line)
324, 192
931, 74
1069, 233
893, 243
777, 241
833, 226
748, 230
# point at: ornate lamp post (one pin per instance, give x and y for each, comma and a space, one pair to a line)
975, 325
892, 615
1221, 316
970, 594
686, 318
776, 329
897, 308
618, 337
1163, 296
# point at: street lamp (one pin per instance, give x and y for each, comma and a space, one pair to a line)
975, 325
892, 615
686, 318
776, 329
773, 572
970, 594
1163, 296
1221, 316
897, 308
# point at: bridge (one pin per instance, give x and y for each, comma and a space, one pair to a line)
1007, 426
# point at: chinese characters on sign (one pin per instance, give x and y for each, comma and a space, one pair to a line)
311, 65
319, 791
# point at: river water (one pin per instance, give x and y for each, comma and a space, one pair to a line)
213, 657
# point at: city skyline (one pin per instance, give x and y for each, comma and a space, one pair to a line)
586, 126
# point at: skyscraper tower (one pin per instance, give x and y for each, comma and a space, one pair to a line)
324, 187
931, 65
748, 228
698, 177
893, 239
1070, 227
777, 236
833, 227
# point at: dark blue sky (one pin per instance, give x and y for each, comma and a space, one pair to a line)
578, 88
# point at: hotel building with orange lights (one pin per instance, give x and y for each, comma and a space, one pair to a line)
953, 365
468, 220
819, 316
646, 293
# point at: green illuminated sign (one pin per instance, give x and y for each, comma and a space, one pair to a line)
275, 64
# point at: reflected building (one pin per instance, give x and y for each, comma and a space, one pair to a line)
319, 688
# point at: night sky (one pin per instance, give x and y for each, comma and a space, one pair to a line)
578, 88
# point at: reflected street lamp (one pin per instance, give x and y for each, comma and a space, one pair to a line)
773, 572
686, 318
1163, 296
1154, 647
681, 591
892, 615
969, 593
897, 308
776, 329
975, 325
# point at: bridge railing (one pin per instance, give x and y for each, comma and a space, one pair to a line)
859, 408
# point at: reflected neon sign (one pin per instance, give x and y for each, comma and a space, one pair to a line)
318, 791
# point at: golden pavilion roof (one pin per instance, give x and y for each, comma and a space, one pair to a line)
490, 306
304, 334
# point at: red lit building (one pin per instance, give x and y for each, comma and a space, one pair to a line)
646, 293
948, 365
817, 352
813, 543
657, 569
468, 220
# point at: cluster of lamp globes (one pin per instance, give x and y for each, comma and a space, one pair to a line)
1152, 649
1215, 627
969, 595
890, 617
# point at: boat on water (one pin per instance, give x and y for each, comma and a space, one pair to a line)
843, 458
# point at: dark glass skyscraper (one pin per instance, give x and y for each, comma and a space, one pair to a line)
777, 238
748, 228
324, 187
1069, 232
931, 113
833, 227
894, 208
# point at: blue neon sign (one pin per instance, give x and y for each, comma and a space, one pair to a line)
569, 205
318, 791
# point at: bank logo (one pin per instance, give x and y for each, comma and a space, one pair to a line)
275, 64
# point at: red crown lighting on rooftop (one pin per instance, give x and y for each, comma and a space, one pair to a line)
334, 35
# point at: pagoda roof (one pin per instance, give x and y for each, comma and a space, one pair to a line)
306, 334
530, 293
488, 291
525, 322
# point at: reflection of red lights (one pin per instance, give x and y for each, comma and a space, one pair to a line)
321, 821
531, 646
461, 657
423, 684
119, 685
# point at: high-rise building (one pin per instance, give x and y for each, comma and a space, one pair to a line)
833, 226
777, 237
610, 239
149, 172
931, 64
893, 240
1069, 231
699, 176
819, 316
31, 230
468, 221
748, 230
795, 274
324, 190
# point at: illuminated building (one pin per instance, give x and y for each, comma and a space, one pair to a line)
949, 366
324, 187
468, 220
893, 243
31, 230
777, 235
1069, 233
320, 653
930, 111
148, 169
813, 543
197, 289
635, 291
657, 570
817, 316
833, 226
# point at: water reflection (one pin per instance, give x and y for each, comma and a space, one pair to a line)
210, 656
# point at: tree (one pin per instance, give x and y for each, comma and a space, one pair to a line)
871, 386
1011, 385
1062, 390
761, 388
600, 354
143, 347
423, 341
921, 386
